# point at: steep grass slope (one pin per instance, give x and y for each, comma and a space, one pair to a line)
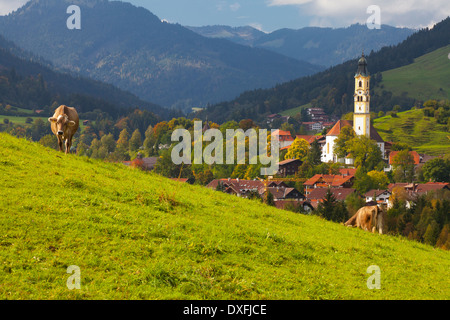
136, 235
427, 78
422, 133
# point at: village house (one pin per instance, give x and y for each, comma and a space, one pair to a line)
419, 159
271, 118
237, 187
284, 137
247, 188
289, 167
317, 196
413, 191
313, 125
324, 181
308, 138
147, 164
283, 193
378, 196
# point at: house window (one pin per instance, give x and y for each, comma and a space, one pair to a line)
360, 84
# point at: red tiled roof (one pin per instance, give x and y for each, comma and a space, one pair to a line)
330, 180
336, 130
348, 172
340, 194
420, 188
237, 185
282, 163
425, 188
282, 133
377, 193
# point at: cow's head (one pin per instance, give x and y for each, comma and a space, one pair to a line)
62, 123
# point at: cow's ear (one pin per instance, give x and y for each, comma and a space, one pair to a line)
71, 123
52, 119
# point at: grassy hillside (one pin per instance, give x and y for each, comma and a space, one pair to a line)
292, 112
426, 78
136, 235
422, 133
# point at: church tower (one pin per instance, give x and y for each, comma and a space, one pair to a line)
361, 117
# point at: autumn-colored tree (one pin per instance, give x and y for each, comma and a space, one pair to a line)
135, 142
365, 151
246, 124
108, 142
443, 240
298, 150
204, 177
341, 148
403, 164
379, 179
121, 152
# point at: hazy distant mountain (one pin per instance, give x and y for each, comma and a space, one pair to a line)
29, 82
322, 46
133, 49
242, 35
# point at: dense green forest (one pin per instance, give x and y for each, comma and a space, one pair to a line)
333, 89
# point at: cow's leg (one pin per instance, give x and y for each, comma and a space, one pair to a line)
68, 145
60, 143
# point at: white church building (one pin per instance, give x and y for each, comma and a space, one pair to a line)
361, 118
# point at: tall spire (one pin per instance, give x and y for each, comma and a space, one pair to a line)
362, 66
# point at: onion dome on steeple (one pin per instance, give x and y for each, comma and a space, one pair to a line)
362, 67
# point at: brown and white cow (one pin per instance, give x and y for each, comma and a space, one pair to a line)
64, 124
368, 218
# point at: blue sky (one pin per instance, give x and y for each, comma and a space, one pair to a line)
270, 15
233, 13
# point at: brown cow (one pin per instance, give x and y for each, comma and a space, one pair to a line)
64, 125
368, 218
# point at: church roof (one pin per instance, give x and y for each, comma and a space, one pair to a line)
336, 130
362, 67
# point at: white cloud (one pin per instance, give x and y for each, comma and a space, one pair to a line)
257, 26
7, 6
235, 6
409, 13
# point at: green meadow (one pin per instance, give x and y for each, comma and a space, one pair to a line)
427, 78
292, 112
137, 235
422, 133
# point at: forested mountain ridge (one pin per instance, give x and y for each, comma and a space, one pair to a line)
29, 82
133, 49
321, 46
333, 88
